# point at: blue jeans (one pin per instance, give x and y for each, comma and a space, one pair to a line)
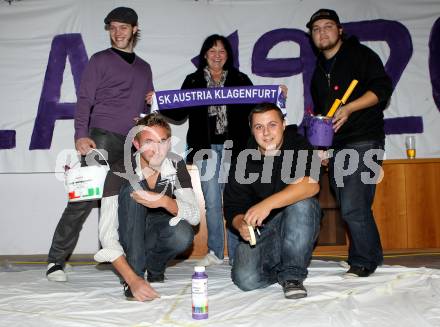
283, 251
148, 240
355, 198
213, 174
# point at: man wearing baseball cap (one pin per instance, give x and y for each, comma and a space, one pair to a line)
114, 84
359, 129
324, 14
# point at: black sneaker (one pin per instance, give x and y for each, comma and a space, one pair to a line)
358, 271
127, 292
294, 289
155, 278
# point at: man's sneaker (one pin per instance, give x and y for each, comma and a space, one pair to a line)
358, 271
209, 260
127, 292
155, 278
294, 289
55, 273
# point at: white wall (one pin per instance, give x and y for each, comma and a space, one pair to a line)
31, 205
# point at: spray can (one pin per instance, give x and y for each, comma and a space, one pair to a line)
199, 293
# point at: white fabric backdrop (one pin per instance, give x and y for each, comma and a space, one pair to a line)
172, 33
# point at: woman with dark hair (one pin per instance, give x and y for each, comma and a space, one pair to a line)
209, 128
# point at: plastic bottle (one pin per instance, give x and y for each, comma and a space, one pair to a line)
199, 293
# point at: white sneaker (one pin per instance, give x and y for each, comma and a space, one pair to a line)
344, 264
55, 273
210, 259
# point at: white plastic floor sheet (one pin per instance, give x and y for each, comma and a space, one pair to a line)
393, 296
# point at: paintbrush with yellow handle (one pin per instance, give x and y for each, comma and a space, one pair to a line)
337, 103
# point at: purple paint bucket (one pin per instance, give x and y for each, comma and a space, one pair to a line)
320, 131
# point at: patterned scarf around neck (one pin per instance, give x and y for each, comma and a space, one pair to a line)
219, 111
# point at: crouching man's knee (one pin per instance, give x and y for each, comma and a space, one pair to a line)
183, 236
246, 273
245, 280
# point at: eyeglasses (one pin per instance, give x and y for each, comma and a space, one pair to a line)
325, 28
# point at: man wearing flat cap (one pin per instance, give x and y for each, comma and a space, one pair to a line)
112, 94
359, 130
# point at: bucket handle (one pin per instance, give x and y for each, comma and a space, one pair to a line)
97, 151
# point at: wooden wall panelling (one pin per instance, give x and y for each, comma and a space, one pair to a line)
389, 207
406, 209
332, 227
200, 244
423, 205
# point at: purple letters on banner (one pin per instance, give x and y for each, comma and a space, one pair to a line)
49, 108
398, 38
395, 34
172, 99
404, 125
285, 67
7, 139
434, 64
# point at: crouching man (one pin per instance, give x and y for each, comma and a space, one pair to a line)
270, 188
149, 219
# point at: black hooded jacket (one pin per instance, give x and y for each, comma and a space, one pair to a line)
353, 61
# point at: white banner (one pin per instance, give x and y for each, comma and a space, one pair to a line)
44, 46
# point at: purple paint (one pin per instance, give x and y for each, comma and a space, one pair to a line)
7, 139
434, 65
264, 66
49, 108
404, 125
320, 131
199, 293
395, 34
398, 38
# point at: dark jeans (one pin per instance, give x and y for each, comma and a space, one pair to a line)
283, 251
67, 231
355, 198
148, 240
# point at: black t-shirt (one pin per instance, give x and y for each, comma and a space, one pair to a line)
127, 56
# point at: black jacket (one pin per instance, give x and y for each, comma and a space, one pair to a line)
353, 61
240, 195
199, 134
